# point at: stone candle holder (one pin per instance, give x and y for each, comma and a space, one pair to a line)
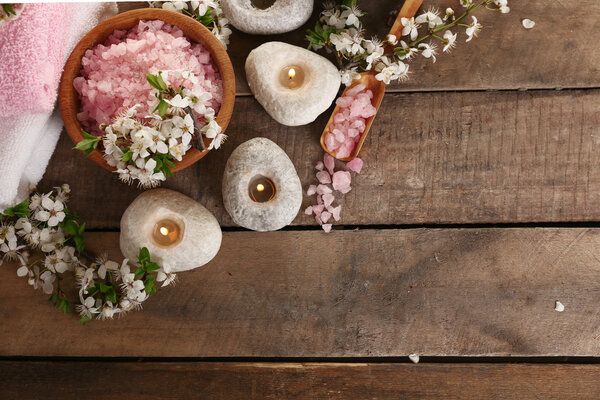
178, 231
274, 70
283, 16
261, 189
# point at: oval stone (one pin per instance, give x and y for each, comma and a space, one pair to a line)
201, 239
283, 16
291, 107
260, 157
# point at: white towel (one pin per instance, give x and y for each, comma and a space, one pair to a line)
27, 141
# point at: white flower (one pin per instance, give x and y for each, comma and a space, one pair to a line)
86, 308
450, 41
35, 202
428, 50
349, 75
217, 141
466, 3
179, 102
391, 39
7, 233
390, 71
84, 278
174, 5
431, 17
528, 24
502, 6
211, 129
108, 311
352, 14
22, 271
409, 51
344, 42
105, 265
55, 263
374, 49
176, 149
131, 286
144, 172
52, 212
62, 193
410, 28
47, 281
449, 14
473, 29
165, 278
11, 250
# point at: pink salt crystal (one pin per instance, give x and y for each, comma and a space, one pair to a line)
368, 111
330, 142
344, 102
338, 118
312, 189
352, 132
359, 124
355, 165
353, 91
369, 93
323, 189
309, 210
324, 177
328, 198
346, 190
320, 166
335, 212
325, 215
345, 149
329, 162
318, 209
318, 219
326, 227
341, 180
319, 199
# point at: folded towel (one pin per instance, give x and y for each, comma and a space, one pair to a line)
27, 140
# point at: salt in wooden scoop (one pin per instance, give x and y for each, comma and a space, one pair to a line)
409, 9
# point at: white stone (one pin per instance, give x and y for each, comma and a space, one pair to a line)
201, 232
283, 16
291, 107
558, 306
261, 157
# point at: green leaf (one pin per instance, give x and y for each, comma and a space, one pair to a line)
162, 108
149, 285
105, 288
139, 272
65, 306
79, 244
8, 9
21, 210
127, 156
112, 296
81, 229
152, 266
84, 319
93, 290
144, 255
70, 226
161, 83
89, 144
153, 81
54, 299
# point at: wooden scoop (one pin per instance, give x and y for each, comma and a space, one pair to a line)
409, 9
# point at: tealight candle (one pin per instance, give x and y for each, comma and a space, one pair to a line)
261, 189
292, 77
168, 232
179, 233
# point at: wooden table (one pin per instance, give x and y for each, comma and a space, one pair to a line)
475, 212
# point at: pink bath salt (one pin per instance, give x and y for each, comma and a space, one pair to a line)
345, 149
355, 165
318, 219
324, 177
312, 189
113, 75
330, 142
325, 215
309, 210
346, 190
339, 135
320, 166
335, 212
323, 189
338, 118
358, 124
328, 198
354, 90
343, 102
318, 209
329, 162
341, 180
352, 132
369, 93
368, 111
326, 227
319, 199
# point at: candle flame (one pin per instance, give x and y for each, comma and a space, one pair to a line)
260, 187
292, 73
164, 231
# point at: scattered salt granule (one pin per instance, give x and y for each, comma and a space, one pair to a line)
325, 215
328, 198
414, 358
349, 122
326, 227
113, 75
559, 306
309, 210
324, 177
312, 189
323, 189
341, 180
527, 23
355, 165
329, 162
320, 166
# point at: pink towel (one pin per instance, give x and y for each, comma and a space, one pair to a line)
32, 54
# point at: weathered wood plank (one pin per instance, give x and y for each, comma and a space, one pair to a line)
505, 56
291, 381
460, 292
430, 158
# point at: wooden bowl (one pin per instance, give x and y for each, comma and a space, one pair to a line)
196, 32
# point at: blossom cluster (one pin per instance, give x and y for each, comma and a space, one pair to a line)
43, 238
143, 147
340, 31
207, 12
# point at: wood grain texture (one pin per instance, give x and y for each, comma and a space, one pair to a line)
431, 158
294, 381
504, 56
450, 292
